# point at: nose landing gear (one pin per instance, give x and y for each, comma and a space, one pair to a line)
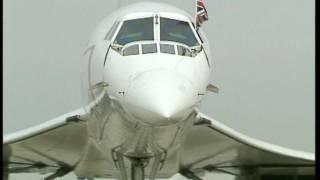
140, 151
138, 163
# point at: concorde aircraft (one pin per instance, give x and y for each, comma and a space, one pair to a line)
146, 69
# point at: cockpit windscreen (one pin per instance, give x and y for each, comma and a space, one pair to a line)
135, 30
177, 31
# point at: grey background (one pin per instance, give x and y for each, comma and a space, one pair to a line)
263, 56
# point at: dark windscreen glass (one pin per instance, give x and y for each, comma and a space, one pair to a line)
177, 31
135, 30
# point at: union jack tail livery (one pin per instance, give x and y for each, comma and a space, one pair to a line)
202, 14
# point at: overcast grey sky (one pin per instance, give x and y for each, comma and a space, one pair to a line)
263, 56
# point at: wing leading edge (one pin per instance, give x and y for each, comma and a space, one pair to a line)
212, 146
54, 146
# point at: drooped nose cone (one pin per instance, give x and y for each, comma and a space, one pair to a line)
160, 97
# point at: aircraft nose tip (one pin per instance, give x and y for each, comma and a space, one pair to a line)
157, 97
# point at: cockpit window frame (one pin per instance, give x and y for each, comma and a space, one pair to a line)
131, 17
116, 32
111, 33
132, 30
180, 17
156, 30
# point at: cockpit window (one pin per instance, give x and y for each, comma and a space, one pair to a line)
149, 48
177, 31
183, 51
131, 50
135, 30
167, 48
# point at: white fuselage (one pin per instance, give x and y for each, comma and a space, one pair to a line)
152, 87
144, 91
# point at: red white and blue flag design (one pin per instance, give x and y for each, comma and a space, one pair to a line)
202, 14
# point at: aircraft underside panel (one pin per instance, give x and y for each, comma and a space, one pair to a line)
213, 147
56, 146
121, 147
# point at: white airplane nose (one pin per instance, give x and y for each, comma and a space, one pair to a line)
160, 97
